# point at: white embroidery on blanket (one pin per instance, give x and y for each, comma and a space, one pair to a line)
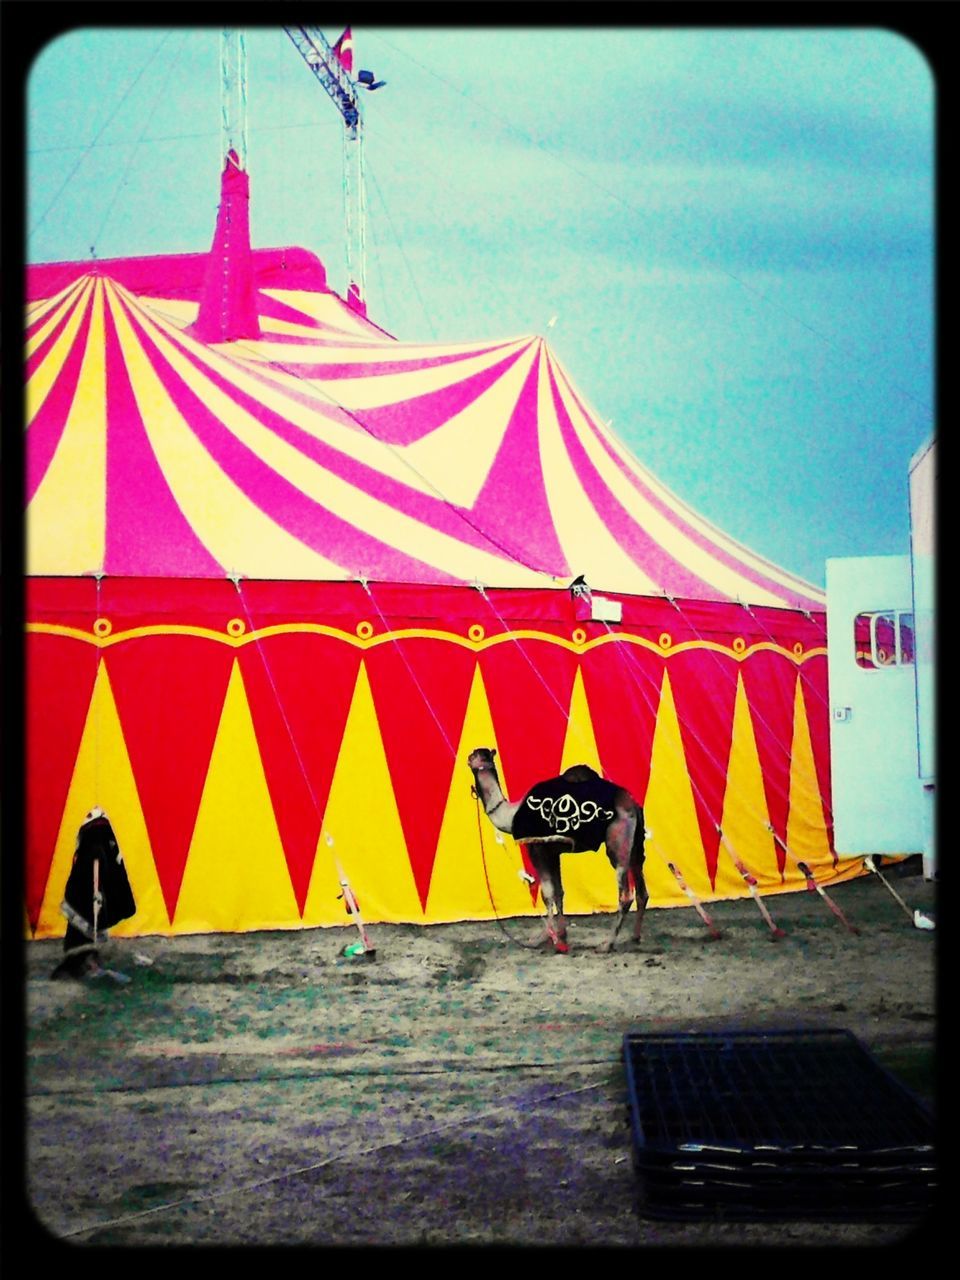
563, 813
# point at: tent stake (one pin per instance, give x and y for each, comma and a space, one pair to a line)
916, 917
353, 907
812, 883
751, 884
714, 931
814, 887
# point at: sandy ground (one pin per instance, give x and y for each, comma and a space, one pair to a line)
458, 1088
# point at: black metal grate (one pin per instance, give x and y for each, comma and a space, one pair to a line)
751, 1125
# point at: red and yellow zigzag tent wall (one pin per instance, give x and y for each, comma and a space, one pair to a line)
232, 731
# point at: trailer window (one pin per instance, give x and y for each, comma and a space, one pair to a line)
883, 638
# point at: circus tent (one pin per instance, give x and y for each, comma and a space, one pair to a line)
284, 571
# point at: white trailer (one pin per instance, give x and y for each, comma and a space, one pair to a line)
881, 666
923, 483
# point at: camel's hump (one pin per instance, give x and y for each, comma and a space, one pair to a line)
580, 773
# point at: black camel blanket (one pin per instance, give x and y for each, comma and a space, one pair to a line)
579, 807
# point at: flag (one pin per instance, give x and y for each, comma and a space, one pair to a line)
344, 51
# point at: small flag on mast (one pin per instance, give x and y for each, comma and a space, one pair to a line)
344, 51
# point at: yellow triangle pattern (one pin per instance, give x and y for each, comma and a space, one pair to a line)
589, 881
475, 875
806, 831
236, 876
745, 820
363, 823
102, 776
670, 813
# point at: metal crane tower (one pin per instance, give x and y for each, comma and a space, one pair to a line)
233, 95
322, 60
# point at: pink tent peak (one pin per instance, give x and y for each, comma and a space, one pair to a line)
228, 307
355, 300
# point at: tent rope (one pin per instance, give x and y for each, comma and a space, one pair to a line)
566, 714
528, 946
98, 698
424, 481
353, 1153
125, 177
812, 884
564, 711
254, 633
762, 298
482, 591
748, 878
820, 699
750, 881
693, 784
304, 773
801, 866
96, 138
756, 715
419, 687
406, 262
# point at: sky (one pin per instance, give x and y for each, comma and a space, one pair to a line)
726, 235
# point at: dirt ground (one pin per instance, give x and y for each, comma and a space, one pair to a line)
457, 1088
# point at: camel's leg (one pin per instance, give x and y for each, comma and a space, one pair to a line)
642, 898
625, 851
546, 863
560, 922
541, 871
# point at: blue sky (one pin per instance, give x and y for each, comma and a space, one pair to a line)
727, 236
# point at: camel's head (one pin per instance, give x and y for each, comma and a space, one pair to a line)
482, 758
480, 761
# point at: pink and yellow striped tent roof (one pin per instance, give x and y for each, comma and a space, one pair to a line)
318, 447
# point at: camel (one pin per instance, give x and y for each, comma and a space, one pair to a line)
576, 811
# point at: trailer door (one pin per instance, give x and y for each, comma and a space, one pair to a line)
871, 653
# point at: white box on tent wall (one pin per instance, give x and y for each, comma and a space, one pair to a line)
603, 610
